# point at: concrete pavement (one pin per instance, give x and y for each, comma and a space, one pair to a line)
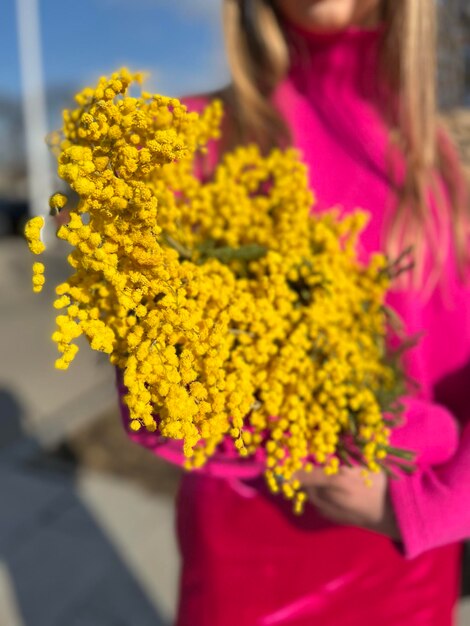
83, 549
51, 401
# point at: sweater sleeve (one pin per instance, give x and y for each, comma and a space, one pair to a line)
432, 506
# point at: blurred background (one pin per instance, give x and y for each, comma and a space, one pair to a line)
86, 517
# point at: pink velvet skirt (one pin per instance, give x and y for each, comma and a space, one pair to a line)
248, 561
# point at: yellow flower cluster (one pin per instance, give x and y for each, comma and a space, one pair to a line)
38, 277
32, 233
231, 310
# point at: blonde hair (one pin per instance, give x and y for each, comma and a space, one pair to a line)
259, 59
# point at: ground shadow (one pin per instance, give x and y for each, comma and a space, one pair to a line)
63, 569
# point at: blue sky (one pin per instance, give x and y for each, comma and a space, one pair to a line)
178, 41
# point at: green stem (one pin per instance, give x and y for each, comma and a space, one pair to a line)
389, 472
407, 469
343, 455
406, 455
182, 251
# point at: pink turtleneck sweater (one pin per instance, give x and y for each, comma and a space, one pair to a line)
331, 103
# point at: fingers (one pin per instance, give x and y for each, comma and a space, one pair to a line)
330, 497
326, 505
318, 478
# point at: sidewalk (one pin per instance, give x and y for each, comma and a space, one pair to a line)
51, 402
82, 549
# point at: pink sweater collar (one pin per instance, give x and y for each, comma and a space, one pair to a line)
335, 64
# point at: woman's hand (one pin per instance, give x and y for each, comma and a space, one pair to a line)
345, 498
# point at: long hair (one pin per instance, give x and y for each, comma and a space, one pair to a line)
259, 58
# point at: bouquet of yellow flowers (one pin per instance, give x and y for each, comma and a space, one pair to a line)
232, 311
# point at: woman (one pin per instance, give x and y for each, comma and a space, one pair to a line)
350, 83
